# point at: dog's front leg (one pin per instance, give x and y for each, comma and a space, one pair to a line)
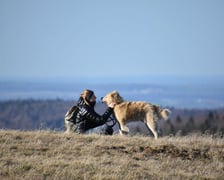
124, 130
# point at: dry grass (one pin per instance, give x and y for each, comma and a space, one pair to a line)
55, 155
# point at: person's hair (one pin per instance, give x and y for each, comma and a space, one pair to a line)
86, 95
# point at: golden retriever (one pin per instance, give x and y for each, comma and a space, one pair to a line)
134, 111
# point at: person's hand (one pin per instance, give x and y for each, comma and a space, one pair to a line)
111, 105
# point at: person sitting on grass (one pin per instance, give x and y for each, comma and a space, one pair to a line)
87, 119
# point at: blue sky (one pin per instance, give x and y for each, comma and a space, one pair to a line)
116, 38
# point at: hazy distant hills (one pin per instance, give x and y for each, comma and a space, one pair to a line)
176, 95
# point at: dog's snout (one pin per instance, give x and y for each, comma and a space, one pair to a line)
102, 99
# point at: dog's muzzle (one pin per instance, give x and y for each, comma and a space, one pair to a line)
102, 99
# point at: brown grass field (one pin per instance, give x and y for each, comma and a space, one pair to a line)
55, 155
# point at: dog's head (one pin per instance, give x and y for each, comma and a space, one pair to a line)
112, 97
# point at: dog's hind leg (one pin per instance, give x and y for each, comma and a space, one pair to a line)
151, 124
153, 129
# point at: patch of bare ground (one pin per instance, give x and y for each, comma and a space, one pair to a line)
55, 155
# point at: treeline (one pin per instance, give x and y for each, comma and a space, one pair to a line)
49, 114
33, 114
185, 122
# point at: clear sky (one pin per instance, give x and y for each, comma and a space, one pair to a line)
111, 38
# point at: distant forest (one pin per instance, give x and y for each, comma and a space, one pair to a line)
49, 114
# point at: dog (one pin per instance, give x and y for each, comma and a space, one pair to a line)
134, 111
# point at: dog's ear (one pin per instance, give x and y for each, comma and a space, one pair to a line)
114, 92
117, 93
117, 97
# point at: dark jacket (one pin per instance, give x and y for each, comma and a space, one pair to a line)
87, 118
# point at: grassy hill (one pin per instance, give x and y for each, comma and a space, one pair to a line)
55, 155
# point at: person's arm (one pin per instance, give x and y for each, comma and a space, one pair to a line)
86, 116
96, 118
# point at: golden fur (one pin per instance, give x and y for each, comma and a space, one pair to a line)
133, 111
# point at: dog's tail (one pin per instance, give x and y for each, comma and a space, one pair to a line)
164, 113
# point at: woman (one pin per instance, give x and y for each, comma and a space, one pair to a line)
88, 121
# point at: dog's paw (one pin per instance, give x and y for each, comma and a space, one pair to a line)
125, 128
122, 132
